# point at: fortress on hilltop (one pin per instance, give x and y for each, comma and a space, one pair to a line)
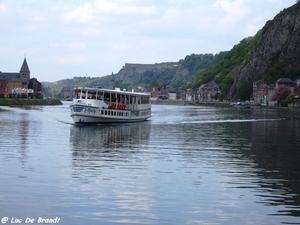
146, 67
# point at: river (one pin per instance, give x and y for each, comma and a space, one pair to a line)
186, 165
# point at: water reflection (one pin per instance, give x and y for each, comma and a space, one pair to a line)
265, 158
112, 142
276, 152
250, 150
16, 126
102, 160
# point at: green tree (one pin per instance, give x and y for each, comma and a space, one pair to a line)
245, 90
226, 83
288, 99
281, 93
154, 83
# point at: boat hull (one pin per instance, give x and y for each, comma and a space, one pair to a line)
80, 119
92, 115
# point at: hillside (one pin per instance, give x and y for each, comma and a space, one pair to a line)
173, 74
225, 70
53, 89
274, 52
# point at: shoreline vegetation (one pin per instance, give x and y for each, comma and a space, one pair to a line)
28, 102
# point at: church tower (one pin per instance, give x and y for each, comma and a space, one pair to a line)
24, 71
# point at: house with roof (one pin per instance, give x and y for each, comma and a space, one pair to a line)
293, 85
36, 86
286, 82
2, 87
12, 80
209, 91
263, 93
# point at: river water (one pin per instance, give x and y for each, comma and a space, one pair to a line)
186, 165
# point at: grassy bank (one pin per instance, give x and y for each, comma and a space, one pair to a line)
26, 101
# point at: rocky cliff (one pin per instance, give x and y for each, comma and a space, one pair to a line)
277, 53
180, 73
133, 73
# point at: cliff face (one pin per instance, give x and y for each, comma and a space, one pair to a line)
279, 44
174, 74
134, 73
164, 73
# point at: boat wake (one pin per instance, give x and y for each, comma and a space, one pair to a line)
232, 121
65, 122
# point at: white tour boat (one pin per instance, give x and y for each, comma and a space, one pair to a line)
97, 105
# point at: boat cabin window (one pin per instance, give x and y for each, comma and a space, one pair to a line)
133, 100
106, 96
145, 100
83, 94
118, 98
100, 95
124, 99
91, 94
113, 97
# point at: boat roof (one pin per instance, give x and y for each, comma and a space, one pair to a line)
117, 90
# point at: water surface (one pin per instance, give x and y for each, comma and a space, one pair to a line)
186, 165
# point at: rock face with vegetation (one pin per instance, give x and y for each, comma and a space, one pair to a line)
276, 53
273, 53
175, 74
144, 73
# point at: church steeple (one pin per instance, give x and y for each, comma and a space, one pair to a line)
24, 71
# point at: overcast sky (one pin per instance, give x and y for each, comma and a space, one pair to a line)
67, 38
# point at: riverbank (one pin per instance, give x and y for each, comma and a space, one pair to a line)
196, 103
27, 101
